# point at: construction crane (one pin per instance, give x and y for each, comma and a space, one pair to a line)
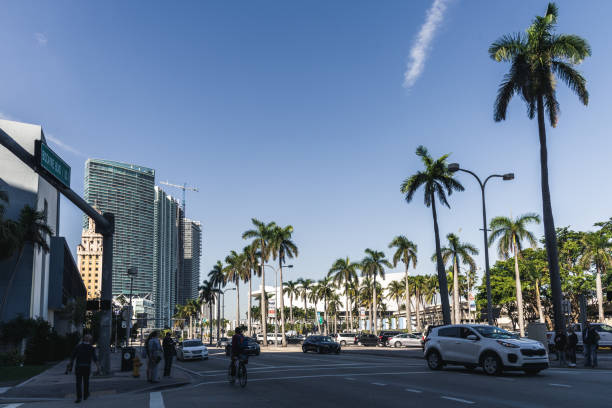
181, 187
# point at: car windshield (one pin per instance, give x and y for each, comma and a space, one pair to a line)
493, 332
192, 343
326, 340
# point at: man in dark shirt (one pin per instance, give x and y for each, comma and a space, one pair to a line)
237, 345
84, 353
169, 351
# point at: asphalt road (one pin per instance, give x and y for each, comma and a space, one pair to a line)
362, 378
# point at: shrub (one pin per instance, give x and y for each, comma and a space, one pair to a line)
11, 359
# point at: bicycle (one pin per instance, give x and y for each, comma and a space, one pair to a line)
241, 371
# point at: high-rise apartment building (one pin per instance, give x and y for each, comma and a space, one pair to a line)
190, 277
127, 191
89, 260
166, 256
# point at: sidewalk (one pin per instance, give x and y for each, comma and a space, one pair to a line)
55, 384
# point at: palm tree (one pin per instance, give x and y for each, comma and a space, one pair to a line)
251, 265
430, 290
457, 251
191, 310
344, 272
261, 235
418, 282
537, 59
282, 247
366, 298
291, 289
325, 290
373, 265
207, 295
510, 234
597, 251
31, 228
305, 287
436, 180
235, 272
406, 252
395, 291
217, 278
314, 298
334, 306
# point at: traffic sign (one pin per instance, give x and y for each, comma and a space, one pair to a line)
48, 160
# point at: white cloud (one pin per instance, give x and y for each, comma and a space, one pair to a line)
418, 53
64, 146
41, 39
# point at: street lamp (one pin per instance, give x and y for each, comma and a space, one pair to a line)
223, 299
132, 273
454, 167
276, 301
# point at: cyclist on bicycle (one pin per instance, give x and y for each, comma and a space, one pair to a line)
236, 350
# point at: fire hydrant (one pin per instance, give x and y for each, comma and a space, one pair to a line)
136, 367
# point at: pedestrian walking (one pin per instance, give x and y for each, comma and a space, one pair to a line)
83, 353
572, 343
590, 338
560, 346
169, 352
154, 356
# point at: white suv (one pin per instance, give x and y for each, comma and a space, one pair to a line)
490, 347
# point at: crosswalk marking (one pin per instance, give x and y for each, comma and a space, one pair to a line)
156, 400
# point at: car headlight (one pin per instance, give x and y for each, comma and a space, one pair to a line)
506, 344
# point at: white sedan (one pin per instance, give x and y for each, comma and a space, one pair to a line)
191, 349
404, 340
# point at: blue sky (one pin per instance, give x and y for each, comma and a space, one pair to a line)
295, 112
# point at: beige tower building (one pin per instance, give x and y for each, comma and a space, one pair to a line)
89, 254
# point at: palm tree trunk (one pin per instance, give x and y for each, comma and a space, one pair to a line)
326, 326
291, 310
316, 303
539, 301
282, 302
346, 307
408, 311
519, 290
599, 292
418, 312
370, 316
9, 285
210, 323
456, 299
219, 312
250, 305
305, 308
375, 305
350, 315
237, 304
446, 317
264, 310
550, 235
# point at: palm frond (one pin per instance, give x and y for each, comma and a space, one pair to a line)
573, 79
507, 47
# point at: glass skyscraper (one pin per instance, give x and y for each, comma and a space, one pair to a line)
127, 191
190, 278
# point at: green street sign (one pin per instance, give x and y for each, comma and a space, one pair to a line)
48, 160
320, 319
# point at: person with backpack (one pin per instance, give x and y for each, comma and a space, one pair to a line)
83, 353
560, 346
169, 352
154, 356
590, 338
572, 343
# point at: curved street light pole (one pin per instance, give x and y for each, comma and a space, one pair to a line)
276, 301
454, 167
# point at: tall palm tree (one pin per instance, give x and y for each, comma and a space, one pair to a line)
261, 235
419, 283
305, 287
207, 295
344, 272
537, 59
366, 298
395, 290
373, 265
510, 234
191, 310
292, 290
252, 268
217, 278
334, 306
314, 297
282, 247
597, 252
235, 272
457, 252
31, 228
438, 181
406, 251
325, 291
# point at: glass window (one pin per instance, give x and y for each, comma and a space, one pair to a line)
448, 332
493, 332
464, 332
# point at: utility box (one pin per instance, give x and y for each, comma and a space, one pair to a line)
537, 331
127, 358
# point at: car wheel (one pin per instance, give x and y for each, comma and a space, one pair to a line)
304, 349
533, 371
491, 364
434, 360
398, 344
343, 343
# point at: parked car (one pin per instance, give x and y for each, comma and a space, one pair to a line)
404, 340
296, 339
345, 338
320, 344
191, 349
250, 347
270, 337
383, 336
367, 340
223, 341
489, 347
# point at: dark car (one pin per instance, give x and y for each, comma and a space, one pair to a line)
250, 347
295, 339
320, 344
384, 336
367, 340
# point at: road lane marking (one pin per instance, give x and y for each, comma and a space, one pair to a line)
188, 370
156, 400
13, 405
306, 367
560, 385
350, 379
415, 391
457, 399
379, 384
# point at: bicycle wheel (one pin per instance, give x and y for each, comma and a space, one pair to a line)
230, 377
242, 375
